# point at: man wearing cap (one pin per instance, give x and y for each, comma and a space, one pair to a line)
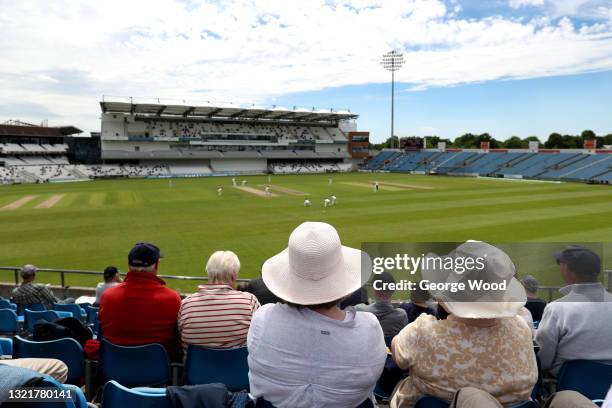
576, 326
29, 292
141, 309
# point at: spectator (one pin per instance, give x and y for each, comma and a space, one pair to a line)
482, 343
534, 304
418, 304
576, 326
258, 288
111, 278
29, 292
360, 296
141, 309
391, 320
470, 397
309, 352
45, 366
217, 315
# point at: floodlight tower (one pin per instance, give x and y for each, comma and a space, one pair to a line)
392, 61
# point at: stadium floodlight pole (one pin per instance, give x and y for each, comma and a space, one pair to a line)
392, 61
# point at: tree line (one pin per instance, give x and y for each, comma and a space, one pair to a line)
472, 141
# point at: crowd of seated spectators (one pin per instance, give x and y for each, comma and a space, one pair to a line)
199, 130
306, 166
128, 170
306, 348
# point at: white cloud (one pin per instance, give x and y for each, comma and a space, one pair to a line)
65, 54
525, 3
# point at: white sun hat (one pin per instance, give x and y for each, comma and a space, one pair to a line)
478, 304
315, 268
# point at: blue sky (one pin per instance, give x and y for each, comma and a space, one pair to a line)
530, 107
508, 67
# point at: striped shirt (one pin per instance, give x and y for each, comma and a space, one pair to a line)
216, 316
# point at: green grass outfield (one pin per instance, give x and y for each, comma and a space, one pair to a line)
96, 223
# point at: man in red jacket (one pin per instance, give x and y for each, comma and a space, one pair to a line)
141, 310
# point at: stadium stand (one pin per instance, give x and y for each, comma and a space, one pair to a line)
573, 165
159, 140
303, 166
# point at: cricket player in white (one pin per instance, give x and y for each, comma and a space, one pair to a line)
306, 203
330, 181
326, 203
333, 200
243, 183
267, 190
234, 184
375, 186
220, 191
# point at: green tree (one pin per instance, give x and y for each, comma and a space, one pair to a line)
515, 142
391, 142
532, 139
555, 141
588, 135
466, 141
432, 141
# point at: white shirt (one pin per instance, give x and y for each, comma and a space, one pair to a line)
576, 327
299, 358
102, 286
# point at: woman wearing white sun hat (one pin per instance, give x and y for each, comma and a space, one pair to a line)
483, 343
308, 352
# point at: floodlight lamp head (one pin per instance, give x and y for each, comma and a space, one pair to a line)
392, 60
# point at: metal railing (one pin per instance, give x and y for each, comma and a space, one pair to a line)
549, 290
63, 272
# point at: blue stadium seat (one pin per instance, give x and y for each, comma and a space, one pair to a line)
116, 395
72, 308
388, 340
78, 399
32, 317
9, 323
6, 304
92, 317
36, 307
590, 378
432, 402
6, 346
207, 365
67, 350
134, 366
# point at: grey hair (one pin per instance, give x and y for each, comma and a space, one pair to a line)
530, 283
222, 267
27, 271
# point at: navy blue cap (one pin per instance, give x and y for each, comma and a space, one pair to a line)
144, 254
580, 260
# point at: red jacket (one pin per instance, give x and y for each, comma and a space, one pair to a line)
141, 310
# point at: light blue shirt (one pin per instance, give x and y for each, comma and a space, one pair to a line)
576, 327
299, 358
